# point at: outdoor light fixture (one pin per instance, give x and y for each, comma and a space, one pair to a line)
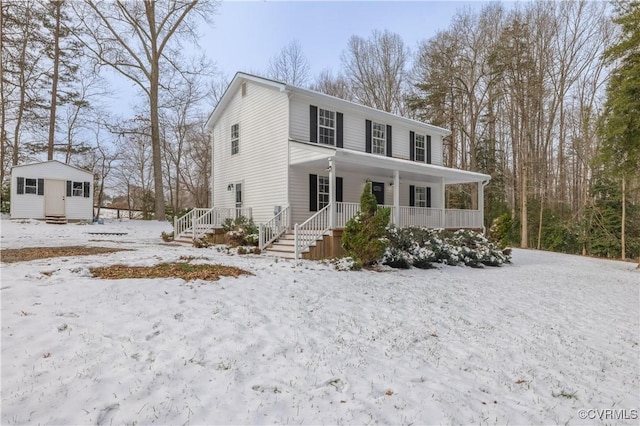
230, 187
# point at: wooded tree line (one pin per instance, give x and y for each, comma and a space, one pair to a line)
532, 92
54, 97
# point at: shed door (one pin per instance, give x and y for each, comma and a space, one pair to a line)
54, 193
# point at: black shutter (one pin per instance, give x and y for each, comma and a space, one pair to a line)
338, 189
313, 124
428, 196
313, 193
20, 185
412, 196
87, 190
367, 133
40, 186
339, 137
69, 183
428, 149
389, 153
412, 146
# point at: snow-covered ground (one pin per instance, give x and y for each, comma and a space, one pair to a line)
533, 342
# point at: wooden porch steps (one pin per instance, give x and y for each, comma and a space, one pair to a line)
284, 247
56, 219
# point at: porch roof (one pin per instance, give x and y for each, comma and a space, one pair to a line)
315, 155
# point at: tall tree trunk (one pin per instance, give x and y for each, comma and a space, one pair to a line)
54, 83
624, 218
155, 119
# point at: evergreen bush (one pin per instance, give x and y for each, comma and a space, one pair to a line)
364, 236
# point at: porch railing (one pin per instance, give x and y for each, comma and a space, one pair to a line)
419, 217
274, 228
459, 218
311, 230
200, 220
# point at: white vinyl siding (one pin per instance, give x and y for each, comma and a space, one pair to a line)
262, 165
354, 127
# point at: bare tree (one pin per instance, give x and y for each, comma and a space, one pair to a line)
139, 40
334, 86
376, 70
290, 65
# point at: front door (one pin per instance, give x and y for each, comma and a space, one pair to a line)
377, 188
54, 193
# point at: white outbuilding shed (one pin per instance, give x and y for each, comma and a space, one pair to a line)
51, 190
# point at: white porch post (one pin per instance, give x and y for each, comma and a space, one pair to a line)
332, 194
395, 219
444, 203
481, 203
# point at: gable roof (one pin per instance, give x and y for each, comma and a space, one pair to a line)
339, 103
52, 161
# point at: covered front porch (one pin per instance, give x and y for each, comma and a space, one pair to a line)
415, 192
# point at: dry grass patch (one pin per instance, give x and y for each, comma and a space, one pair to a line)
186, 271
34, 253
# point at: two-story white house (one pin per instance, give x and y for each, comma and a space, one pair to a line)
296, 161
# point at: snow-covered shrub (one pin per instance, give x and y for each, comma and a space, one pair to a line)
346, 264
167, 236
240, 232
397, 258
422, 247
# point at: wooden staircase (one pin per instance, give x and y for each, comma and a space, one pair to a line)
283, 247
56, 219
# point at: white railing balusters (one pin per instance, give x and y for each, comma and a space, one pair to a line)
274, 228
461, 218
199, 221
311, 230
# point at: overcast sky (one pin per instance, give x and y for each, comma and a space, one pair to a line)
246, 34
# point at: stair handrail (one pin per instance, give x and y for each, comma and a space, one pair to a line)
204, 220
182, 224
311, 230
271, 230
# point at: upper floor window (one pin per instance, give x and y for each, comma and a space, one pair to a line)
326, 126
420, 148
235, 139
379, 138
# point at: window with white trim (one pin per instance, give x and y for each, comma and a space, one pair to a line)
238, 187
235, 139
77, 189
420, 148
421, 196
323, 192
378, 138
326, 127
30, 186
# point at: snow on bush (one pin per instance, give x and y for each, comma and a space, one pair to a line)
421, 248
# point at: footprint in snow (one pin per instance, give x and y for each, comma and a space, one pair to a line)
337, 383
105, 414
268, 389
